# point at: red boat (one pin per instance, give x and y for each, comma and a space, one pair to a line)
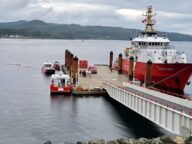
170, 69
60, 84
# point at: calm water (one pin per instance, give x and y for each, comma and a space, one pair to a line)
28, 114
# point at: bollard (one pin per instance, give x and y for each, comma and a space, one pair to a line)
131, 65
75, 70
148, 77
110, 60
120, 63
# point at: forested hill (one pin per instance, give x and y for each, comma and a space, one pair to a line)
40, 29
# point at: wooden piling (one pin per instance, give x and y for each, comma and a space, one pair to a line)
131, 65
75, 70
66, 51
71, 65
120, 63
68, 60
110, 60
148, 77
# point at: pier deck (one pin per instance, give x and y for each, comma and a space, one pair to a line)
103, 74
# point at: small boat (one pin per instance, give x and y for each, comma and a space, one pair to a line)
48, 69
56, 65
60, 83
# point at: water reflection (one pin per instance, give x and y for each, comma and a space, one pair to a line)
95, 115
138, 125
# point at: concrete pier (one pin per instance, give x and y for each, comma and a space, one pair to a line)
95, 80
172, 113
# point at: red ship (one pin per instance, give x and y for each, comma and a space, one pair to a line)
170, 69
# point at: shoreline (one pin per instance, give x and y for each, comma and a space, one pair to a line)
159, 140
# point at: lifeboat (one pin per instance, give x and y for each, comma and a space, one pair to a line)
48, 69
60, 83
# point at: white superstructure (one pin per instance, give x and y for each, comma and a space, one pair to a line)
150, 46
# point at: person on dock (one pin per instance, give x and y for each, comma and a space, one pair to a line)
80, 73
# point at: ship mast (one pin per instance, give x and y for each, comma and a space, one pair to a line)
149, 21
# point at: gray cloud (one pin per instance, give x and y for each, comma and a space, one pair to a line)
172, 15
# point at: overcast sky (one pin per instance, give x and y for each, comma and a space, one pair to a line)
171, 15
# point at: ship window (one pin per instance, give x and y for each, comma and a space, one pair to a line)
139, 43
149, 43
63, 81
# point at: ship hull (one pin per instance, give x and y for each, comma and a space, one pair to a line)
125, 66
168, 76
171, 76
60, 89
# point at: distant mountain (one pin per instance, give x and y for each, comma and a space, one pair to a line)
40, 29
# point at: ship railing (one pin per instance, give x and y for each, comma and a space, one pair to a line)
180, 53
168, 53
156, 47
169, 47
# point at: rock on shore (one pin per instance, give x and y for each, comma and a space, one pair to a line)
159, 140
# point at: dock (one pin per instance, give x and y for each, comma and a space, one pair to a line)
92, 84
169, 112
95, 80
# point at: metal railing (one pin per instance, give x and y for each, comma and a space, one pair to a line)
168, 104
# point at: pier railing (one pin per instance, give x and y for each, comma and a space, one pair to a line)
171, 113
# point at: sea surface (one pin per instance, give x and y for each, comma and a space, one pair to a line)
29, 115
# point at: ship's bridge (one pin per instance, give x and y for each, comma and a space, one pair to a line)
156, 49
150, 42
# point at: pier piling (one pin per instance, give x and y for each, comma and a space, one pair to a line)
75, 70
130, 72
148, 77
110, 60
66, 51
120, 63
71, 65
68, 59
